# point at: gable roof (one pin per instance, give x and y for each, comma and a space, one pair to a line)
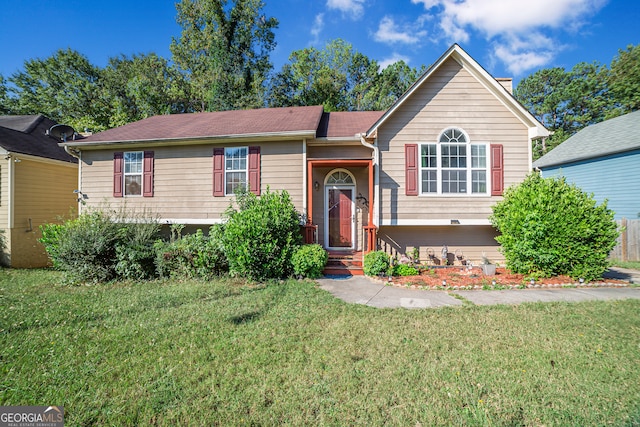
455, 52
609, 137
346, 124
264, 122
28, 135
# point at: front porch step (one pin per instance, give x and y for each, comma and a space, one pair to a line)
344, 263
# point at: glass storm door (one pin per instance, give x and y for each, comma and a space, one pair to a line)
340, 217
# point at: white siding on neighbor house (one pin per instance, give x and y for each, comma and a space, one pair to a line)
614, 178
183, 180
451, 97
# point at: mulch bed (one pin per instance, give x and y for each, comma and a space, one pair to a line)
461, 277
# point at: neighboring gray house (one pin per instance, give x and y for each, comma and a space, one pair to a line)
603, 159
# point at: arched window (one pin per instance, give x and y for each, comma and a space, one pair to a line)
453, 165
340, 177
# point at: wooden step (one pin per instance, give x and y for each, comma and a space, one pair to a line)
344, 263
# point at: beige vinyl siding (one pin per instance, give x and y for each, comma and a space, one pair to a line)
43, 193
339, 152
469, 241
183, 179
452, 97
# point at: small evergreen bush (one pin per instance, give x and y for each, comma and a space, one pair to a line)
309, 261
261, 236
375, 263
404, 270
550, 227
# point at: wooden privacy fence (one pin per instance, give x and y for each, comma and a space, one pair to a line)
628, 247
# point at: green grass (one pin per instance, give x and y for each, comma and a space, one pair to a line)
227, 353
635, 265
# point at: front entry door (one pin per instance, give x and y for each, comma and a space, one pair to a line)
340, 217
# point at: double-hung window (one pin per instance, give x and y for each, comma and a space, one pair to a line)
453, 165
133, 173
235, 169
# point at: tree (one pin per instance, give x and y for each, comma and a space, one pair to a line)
6, 103
390, 84
339, 78
224, 50
624, 79
143, 86
64, 87
566, 101
550, 227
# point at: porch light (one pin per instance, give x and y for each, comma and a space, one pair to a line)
316, 185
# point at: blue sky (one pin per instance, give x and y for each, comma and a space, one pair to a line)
510, 38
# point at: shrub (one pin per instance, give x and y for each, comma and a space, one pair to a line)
549, 227
375, 263
262, 235
309, 261
99, 246
191, 256
84, 248
135, 252
404, 270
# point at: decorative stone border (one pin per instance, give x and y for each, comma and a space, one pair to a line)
499, 287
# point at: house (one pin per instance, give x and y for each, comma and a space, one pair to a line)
37, 180
602, 159
423, 174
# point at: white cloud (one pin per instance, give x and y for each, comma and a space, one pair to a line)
520, 61
514, 26
353, 8
388, 32
392, 60
316, 28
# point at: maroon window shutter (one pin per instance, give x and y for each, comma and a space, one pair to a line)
497, 170
218, 172
411, 169
147, 174
254, 170
118, 175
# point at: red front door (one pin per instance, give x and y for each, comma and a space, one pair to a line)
340, 218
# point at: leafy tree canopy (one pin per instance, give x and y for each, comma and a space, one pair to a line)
340, 79
567, 101
224, 51
624, 78
64, 87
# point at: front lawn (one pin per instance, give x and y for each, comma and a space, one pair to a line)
228, 353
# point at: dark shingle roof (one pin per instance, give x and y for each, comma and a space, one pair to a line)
27, 135
346, 123
612, 136
215, 124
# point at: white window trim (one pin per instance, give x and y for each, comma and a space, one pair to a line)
125, 174
468, 169
245, 170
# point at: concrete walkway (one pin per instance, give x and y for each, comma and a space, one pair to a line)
364, 290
